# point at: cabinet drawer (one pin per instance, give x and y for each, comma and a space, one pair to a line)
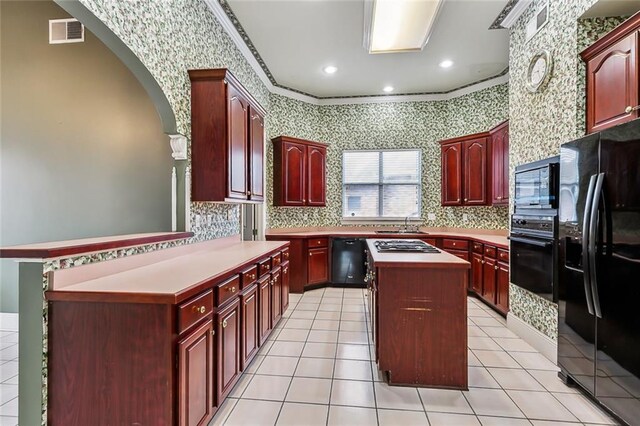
194, 310
490, 251
462, 254
318, 242
285, 254
503, 255
249, 276
228, 289
264, 267
477, 247
275, 260
449, 243
431, 241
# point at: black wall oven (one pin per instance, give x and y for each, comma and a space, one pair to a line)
536, 185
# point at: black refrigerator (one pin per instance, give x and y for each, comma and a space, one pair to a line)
599, 277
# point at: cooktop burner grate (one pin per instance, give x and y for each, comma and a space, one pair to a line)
411, 246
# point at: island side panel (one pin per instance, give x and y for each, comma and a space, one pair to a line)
111, 363
422, 321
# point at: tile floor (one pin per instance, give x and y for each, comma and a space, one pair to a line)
316, 369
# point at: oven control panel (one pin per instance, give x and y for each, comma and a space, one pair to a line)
543, 226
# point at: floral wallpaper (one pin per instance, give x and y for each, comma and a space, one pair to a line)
541, 122
384, 126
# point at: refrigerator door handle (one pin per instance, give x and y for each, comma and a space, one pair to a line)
593, 229
585, 244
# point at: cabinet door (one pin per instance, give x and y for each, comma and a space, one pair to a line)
318, 265
285, 286
276, 297
502, 290
475, 172
476, 273
196, 376
500, 165
264, 300
489, 279
612, 85
294, 165
229, 348
316, 176
451, 157
237, 148
249, 308
256, 156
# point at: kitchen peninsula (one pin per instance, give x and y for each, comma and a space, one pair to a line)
418, 307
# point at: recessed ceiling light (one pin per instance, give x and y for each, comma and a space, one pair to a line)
330, 69
446, 63
387, 89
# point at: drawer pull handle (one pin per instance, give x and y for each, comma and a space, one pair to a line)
232, 289
200, 309
310, 254
483, 261
213, 332
285, 270
631, 109
495, 267
224, 323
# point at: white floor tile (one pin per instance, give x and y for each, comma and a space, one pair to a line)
319, 350
352, 393
348, 351
446, 419
498, 359
302, 315
404, 418
9, 408
278, 366
267, 387
479, 377
315, 367
302, 306
304, 324
351, 416
358, 326
9, 353
7, 392
397, 397
443, 400
488, 322
503, 421
511, 378
255, 413
332, 316
533, 361
8, 421
551, 381
355, 337
350, 369
325, 325
223, 412
485, 343
8, 370
295, 414
255, 364
240, 387
323, 336
284, 348
499, 332
541, 406
353, 316
309, 390
514, 345
584, 409
492, 402
293, 335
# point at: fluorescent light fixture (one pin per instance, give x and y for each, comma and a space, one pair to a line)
399, 25
330, 69
387, 89
446, 63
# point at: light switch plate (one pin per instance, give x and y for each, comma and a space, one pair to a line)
465, 217
431, 216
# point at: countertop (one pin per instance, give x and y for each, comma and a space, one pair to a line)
169, 280
497, 238
415, 260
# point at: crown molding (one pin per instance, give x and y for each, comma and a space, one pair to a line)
510, 14
245, 46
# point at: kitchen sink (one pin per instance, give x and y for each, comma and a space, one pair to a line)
400, 231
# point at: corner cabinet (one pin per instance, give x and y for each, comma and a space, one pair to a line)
299, 172
227, 139
500, 163
613, 93
465, 166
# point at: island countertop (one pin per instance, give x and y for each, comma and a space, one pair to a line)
414, 260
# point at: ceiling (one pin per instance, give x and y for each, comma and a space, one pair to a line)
298, 38
613, 8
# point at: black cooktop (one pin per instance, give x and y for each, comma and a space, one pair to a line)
412, 246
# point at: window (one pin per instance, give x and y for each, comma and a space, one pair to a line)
381, 184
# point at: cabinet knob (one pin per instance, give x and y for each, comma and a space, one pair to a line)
483, 261
232, 289
304, 201
499, 198
213, 332
495, 267
285, 270
199, 309
458, 200
224, 323
466, 199
310, 254
630, 109
249, 193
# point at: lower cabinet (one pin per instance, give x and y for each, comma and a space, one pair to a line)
264, 300
502, 280
196, 376
285, 285
489, 280
476, 273
229, 347
249, 310
318, 265
276, 296
490, 275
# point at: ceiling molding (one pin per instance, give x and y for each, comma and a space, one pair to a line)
225, 16
510, 14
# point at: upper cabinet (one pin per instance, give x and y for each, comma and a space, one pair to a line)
612, 77
227, 139
299, 172
500, 163
465, 161
475, 168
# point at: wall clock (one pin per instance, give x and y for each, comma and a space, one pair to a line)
539, 71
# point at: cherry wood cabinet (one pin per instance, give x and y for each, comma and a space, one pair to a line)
318, 265
465, 170
612, 77
249, 310
229, 347
476, 273
264, 299
227, 139
196, 375
451, 174
489, 279
490, 275
502, 287
276, 296
500, 163
299, 172
285, 285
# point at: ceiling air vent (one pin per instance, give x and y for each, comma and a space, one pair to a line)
65, 31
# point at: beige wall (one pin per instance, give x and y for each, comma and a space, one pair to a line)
82, 152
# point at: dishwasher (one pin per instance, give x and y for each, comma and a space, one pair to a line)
348, 262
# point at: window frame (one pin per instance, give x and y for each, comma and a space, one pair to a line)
381, 185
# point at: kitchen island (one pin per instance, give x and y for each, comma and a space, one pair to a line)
418, 307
